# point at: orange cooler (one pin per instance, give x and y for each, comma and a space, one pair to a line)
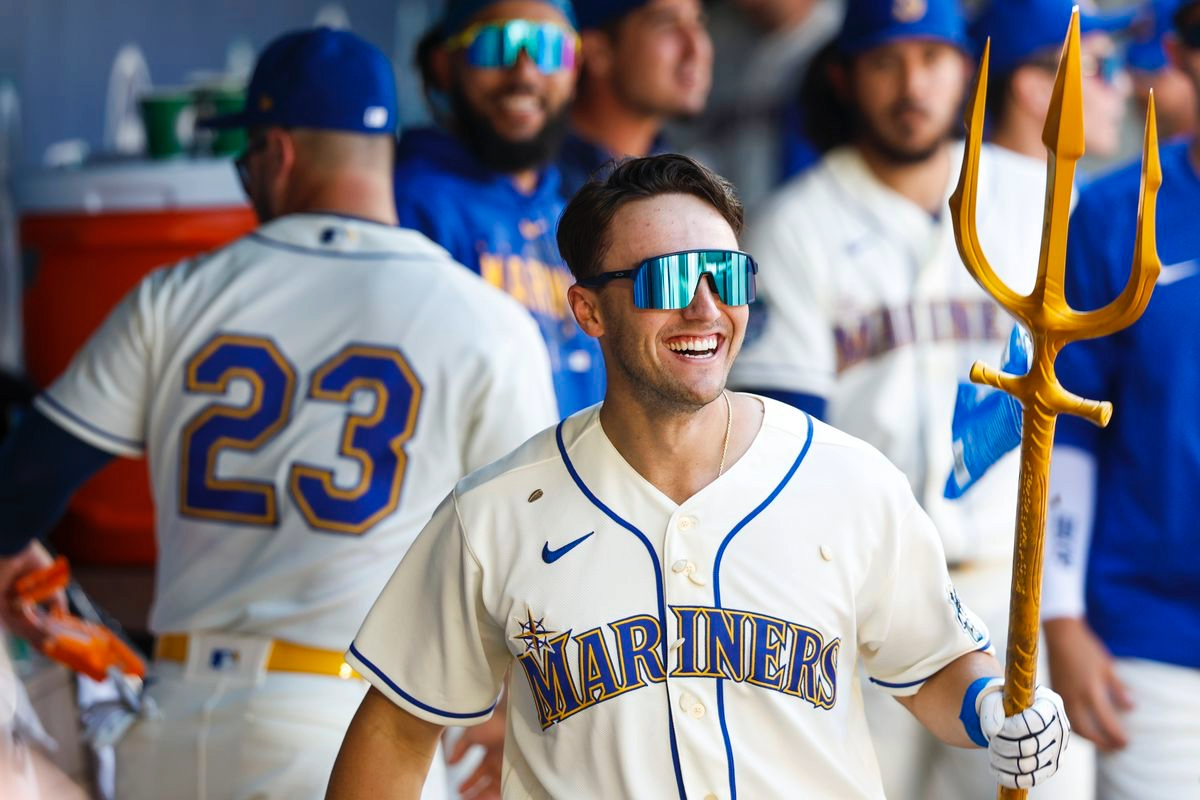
89, 236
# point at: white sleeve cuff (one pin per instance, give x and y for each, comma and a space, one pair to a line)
1072, 505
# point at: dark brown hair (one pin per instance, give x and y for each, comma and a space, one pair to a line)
583, 237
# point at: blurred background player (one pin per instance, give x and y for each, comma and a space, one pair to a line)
644, 62
752, 130
1026, 37
868, 318
1150, 68
305, 396
483, 184
1121, 587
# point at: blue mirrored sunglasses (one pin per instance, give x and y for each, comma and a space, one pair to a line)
491, 45
669, 282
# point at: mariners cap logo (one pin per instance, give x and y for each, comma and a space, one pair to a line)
909, 10
375, 117
265, 102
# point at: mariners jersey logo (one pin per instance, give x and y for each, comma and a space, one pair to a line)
569, 673
908, 10
534, 634
965, 617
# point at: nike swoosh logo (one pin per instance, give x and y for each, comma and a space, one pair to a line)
1171, 273
550, 556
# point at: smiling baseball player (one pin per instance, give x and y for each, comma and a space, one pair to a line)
680, 579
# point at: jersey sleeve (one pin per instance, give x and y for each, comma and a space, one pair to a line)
428, 643
789, 344
515, 396
102, 397
912, 621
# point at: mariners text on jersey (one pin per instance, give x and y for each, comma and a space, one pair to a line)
569, 673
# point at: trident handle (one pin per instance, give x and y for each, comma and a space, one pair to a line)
1052, 323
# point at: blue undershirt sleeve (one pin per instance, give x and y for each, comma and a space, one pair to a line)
41, 466
811, 404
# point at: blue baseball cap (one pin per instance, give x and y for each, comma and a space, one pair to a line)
598, 13
1020, 29
1145, 50
870, 23
320, 78
459, 13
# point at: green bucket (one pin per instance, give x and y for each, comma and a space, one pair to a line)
170, 120
216, 101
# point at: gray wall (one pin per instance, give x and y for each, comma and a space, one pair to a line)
59, 52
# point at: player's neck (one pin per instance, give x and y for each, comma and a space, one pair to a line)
362, 196
923, 182
601, 119
679, 452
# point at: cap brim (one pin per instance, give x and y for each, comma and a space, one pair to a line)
224, 121
881, 38
1109, 23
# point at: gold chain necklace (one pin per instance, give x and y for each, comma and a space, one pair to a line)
728, 430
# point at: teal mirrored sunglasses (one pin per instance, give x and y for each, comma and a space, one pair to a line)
498, 44
669, 281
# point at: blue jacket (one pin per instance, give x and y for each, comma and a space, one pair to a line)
505, 236
1143, 572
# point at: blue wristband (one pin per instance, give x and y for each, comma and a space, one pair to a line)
969, 715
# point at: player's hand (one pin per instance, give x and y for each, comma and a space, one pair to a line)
1025, 748
986, 423
23, 619
484, 782
1081, 669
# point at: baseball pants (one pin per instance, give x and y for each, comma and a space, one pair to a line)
1162, 759
264, 736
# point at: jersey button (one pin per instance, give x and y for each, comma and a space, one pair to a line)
681, 566
686, 523
691, 706
710, 797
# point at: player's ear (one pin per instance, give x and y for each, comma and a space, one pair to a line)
598, 55
439, 69
585, 306
1174, 51
1032, 88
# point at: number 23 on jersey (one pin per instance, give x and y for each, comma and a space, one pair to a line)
375, 439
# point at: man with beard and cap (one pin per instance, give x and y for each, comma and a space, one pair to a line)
483, 185
869, 320
645, 62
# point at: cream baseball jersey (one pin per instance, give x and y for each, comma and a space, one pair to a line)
305, 396
866, 303
698, 650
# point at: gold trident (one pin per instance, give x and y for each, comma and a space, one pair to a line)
1052, 324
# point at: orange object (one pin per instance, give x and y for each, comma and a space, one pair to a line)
1053, 324
85, 647
82, 261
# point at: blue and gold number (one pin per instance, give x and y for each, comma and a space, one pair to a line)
375, 440
272, 381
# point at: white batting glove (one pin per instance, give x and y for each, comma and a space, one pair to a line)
1025, 749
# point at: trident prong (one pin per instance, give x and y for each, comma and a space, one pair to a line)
1052, 324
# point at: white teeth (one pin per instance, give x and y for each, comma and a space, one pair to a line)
521, 104
694, 345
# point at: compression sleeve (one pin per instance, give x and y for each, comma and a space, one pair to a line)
41, 466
